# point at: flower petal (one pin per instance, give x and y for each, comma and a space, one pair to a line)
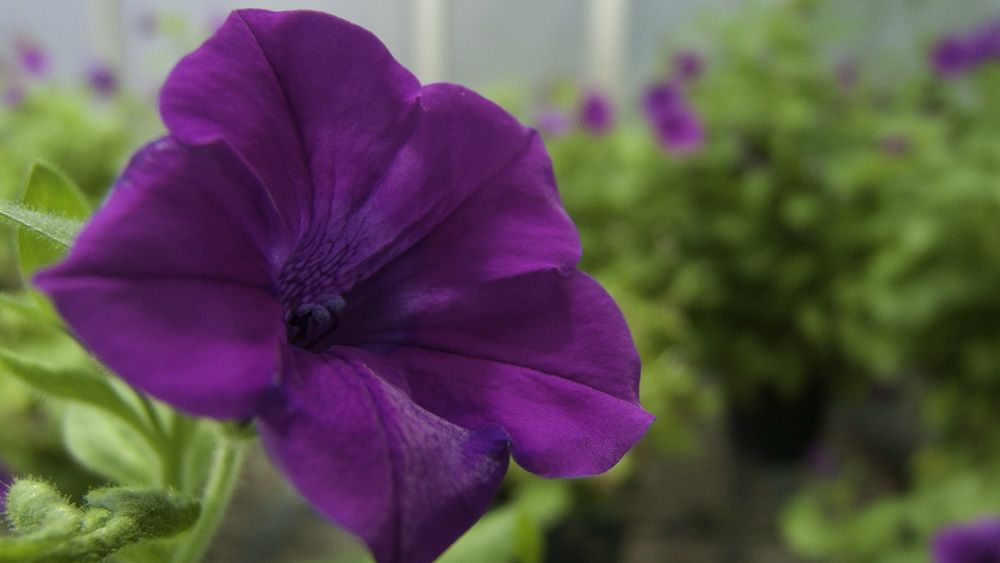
170, 284
512, 224
328, 118
468, 168
464, 158
546, 355
406, 481
488, 314
305, 98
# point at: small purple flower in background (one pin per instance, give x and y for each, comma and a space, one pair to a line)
661, 96
822, 462
676, 125
380, 272
12, 96
597, 115
950, 57
148, 23
984, 42
846, 74
895, 145
973, 542
957, 53
31, 57
689, 65
102, 80
553, 122
679, 131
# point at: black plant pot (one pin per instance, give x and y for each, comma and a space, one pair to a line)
771, 426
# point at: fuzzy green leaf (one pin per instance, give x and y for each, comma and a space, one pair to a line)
59, 231
109, 447
80, 384
49, 191
35, 506
49, 528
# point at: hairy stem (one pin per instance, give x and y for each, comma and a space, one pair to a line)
215, 499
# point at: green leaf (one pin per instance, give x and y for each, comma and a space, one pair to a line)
200, 446
154, 513
59, 231
806, 528
489, 540
18, 305
109, 447
48, 190
529, 539
81, 384
515, 531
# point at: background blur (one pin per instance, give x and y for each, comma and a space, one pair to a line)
796, 203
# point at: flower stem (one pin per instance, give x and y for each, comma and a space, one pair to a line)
215, 499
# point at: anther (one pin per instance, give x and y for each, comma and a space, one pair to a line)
311, 322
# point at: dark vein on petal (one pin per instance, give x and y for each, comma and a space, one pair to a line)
470, 383
424, 347
393, 461
288, 106
388, 248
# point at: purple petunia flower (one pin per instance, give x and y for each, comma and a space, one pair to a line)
596, 113
31, 58
663, 96
846, 74
983, 42
102, 80
955, 54
12, 96
821, 461
975, 542
950, 57
148, 23
895, 145
677, 127
688, 65
380, 272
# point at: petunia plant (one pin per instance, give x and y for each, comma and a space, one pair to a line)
375, 276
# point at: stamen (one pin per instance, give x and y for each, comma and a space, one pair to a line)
311, 322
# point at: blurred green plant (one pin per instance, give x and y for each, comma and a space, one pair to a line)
835, 235
86, 137
185, 468
51, 529
733, 258
833, 521
925, 307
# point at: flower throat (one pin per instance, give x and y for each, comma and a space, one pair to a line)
310, 323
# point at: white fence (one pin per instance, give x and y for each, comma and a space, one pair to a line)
617, 44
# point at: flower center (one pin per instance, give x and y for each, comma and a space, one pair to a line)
309, 323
